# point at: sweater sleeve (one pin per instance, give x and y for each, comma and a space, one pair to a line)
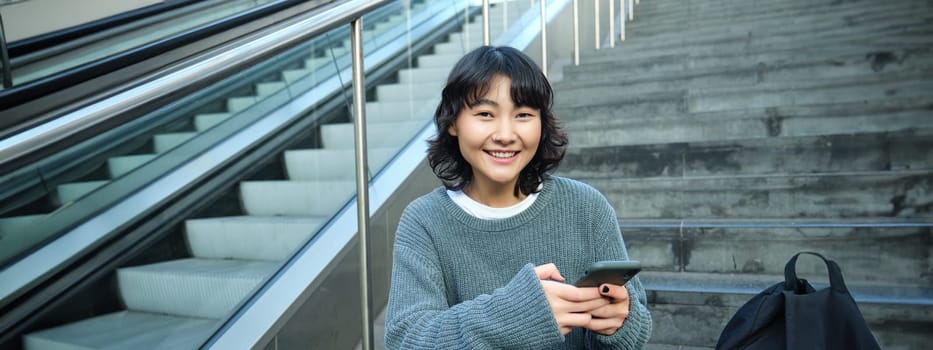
419, 317
636, 330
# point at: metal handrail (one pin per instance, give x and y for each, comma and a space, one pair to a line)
5, 58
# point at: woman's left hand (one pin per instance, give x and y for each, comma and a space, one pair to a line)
609, 318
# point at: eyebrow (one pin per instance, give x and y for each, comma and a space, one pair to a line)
484, 101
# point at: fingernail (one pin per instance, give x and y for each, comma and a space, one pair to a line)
605, 289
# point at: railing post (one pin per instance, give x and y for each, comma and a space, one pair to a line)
596, 21
505, 15
466, 26
622, 19
612, 23
544, 37
485, 22
362, 177
631, 10
5, 58
576, 33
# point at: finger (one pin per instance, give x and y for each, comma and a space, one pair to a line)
574, 319
590, 305
577, 294
617, 293
618, 311
604, 326
548, 272
570, 292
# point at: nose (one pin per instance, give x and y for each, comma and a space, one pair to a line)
505, 131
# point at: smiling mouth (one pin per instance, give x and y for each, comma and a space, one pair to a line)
502, 155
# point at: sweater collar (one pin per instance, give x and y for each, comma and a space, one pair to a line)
495, 225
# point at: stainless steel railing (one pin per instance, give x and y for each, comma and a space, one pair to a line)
5, 58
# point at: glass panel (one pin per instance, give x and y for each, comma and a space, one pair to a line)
62, 190
233, 243
121, 38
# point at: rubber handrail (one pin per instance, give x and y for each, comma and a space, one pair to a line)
58, 37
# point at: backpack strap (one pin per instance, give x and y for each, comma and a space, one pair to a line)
835, 273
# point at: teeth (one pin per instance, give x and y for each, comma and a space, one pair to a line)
502, 154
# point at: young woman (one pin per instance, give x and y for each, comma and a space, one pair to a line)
486, 261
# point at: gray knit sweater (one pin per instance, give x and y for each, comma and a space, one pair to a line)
459, 282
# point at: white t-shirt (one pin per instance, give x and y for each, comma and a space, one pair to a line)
482, 211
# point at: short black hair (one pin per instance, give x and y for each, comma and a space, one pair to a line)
468, 83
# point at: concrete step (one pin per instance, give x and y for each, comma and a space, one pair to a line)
821, 31
290, 76
457, 48
905, 38
165, 142
624, 62
716, 6
770, 155
692, 308
378, 134
249, 237
124, 330
744, 68
750, 79
266, 89
725, 96
424, 75
801, 20
295, 198
661, 119
201, 288
873, 250
332, 164
240, 103
202, 122
718, 12
402, 111
409, 92
117, 166
439, 61
70, 192
879, 86
903, 194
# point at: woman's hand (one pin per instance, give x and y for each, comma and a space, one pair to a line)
569, 304
609, 318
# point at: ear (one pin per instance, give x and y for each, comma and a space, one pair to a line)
452, 130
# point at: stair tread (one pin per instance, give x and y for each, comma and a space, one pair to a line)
267, 238
610, 178
751, 284
213, 268
126, 330
765, 222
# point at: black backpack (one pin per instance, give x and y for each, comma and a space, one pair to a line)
792, 315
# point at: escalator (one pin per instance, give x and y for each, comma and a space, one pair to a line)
49, 72
158, 231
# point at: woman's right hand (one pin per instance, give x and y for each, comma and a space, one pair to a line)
569, 305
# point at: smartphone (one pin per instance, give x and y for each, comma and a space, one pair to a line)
613, 272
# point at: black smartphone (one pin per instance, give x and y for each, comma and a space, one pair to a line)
613, 272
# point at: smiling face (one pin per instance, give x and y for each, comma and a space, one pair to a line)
497, 137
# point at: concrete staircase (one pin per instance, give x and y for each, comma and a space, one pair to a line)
176, 304
730, 134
